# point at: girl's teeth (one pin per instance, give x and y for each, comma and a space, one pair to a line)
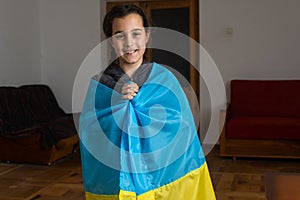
130, 51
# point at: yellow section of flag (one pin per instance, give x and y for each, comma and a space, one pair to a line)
196, 185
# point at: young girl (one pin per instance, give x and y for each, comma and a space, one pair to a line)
127, 28
138, 138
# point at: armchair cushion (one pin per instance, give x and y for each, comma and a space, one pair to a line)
263, 128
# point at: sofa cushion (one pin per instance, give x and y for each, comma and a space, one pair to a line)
14, 114
276, 98
43, 103
263, 128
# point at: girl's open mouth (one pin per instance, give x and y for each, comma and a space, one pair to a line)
130, 51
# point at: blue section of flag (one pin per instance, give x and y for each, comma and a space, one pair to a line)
138, 145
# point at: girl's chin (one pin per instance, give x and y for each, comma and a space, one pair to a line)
131, 59
126, 61
130, 62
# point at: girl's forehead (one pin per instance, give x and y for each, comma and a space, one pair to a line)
127, 23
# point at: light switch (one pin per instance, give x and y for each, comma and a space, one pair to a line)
229, 31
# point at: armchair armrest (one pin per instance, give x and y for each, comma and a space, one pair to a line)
223, 118
223, 115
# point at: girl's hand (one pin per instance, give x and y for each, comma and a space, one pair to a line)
129, 90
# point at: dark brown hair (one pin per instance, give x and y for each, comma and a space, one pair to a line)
120, 11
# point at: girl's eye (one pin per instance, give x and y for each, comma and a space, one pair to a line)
119, 36
136, 34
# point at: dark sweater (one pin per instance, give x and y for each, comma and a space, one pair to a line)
114, 77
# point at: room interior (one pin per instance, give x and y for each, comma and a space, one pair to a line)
45, 42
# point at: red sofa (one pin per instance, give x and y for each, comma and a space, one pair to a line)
262, 119
33, 128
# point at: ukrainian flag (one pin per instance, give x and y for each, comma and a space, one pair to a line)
146, 148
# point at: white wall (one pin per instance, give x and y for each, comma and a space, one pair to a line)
70, 29
264, 43
46, 41
265, 40
19, 42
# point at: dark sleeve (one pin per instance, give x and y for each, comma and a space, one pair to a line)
114, 77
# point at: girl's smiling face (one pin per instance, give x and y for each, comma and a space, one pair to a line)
129, 40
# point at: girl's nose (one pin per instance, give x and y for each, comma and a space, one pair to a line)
129, 41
